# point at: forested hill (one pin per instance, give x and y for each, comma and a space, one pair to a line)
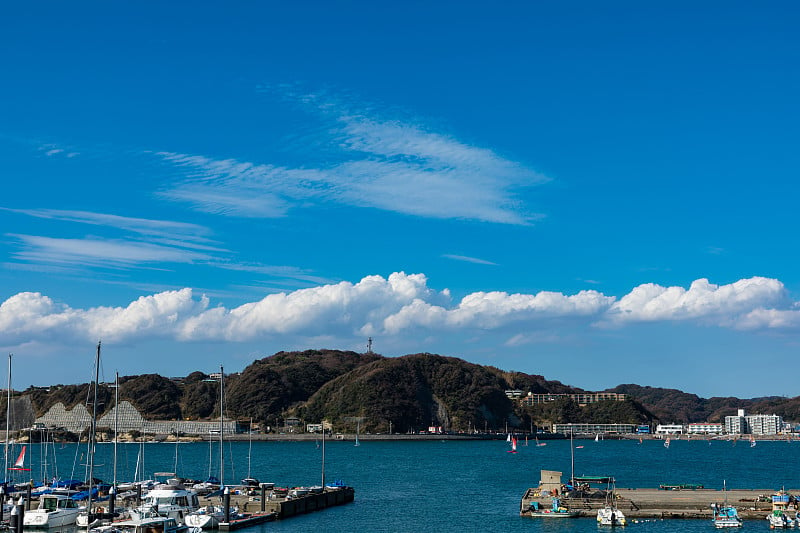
410, 393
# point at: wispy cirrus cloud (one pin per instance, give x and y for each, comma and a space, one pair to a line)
468, 259
380, 163
138, 243
190, 235
99, 252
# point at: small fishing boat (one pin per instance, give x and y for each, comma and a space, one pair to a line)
778, 518
725, 515
609, 515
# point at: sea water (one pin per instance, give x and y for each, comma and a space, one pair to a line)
447, 485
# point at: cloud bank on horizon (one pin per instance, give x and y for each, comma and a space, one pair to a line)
392, 306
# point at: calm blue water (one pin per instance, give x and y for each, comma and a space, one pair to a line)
452, 485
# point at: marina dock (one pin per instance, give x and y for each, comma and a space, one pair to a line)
656, 503
277, 505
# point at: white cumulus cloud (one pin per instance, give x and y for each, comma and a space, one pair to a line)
722, 304
397, 305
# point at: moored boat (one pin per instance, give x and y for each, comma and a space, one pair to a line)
55, 510
609, 515
145, 524
778, 518
726, 516
169, 499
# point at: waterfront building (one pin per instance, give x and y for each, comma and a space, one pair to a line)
669, 429
593, 428
704, 428
583, 398
753, 424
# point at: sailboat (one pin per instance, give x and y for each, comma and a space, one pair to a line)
358, 427
752, 441
597, 437
666, 443
250, 481
19, 464
513, 445
211, 516
88, 518
59, 510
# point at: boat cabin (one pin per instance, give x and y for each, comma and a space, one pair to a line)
51, 503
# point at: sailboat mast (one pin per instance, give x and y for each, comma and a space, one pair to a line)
572, 458
8, 416
92, 428
323, 455
250, 448
221, 427
116, 424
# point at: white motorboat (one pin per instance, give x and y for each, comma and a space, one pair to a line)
170, 500
54, 510
149, 524
610, 516
210, 516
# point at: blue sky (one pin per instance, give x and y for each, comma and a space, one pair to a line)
601, 194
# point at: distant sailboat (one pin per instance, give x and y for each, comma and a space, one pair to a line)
666, 443
19, 464
508, 438
752, 442
513, 446
358, 427
540, 443
597, 437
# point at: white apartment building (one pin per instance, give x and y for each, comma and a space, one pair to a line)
753, 424
704, 428
669, 429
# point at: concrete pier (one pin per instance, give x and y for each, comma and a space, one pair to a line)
283, 506
752, 504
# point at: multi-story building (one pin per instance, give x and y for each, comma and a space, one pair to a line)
754, 424
593, 428
669, 429
704, 428
583, 398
